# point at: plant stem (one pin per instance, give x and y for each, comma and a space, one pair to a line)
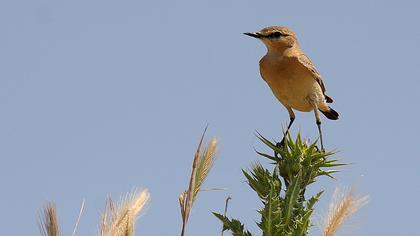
226, 207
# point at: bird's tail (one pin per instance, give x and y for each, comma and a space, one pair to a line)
330, 114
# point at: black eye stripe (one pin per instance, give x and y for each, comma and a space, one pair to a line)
275, 35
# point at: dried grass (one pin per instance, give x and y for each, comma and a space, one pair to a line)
82, 207
343, 205
202, 163
48, 221
119, 219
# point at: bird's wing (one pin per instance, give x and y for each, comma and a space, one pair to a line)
305, 61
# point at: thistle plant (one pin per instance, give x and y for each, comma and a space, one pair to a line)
286, 210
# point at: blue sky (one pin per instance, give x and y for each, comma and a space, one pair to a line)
99, 97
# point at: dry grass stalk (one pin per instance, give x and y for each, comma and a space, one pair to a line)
78, 218
205, 163
343, 205
48, 221
119, 219
201, 166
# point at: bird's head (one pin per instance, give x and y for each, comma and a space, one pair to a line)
275, 38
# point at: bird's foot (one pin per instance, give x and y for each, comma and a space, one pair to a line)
279, 145
322, 150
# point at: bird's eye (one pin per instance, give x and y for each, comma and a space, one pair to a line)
276, 34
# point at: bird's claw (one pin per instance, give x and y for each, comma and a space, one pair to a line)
322, 150
279, 145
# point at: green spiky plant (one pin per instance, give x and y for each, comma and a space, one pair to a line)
285, 210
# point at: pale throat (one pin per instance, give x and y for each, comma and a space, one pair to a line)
281, 50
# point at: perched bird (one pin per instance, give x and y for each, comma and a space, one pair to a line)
292, 77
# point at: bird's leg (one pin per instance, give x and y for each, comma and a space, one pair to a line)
292, 118
287, 131
318, 123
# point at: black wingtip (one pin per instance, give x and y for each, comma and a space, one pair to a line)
328, 99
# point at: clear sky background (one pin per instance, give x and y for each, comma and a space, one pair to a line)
99, 97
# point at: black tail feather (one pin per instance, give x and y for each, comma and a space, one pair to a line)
328, 99
331, 114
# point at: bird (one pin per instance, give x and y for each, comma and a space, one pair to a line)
292, 77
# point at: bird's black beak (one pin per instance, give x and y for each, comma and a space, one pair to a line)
254, 34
